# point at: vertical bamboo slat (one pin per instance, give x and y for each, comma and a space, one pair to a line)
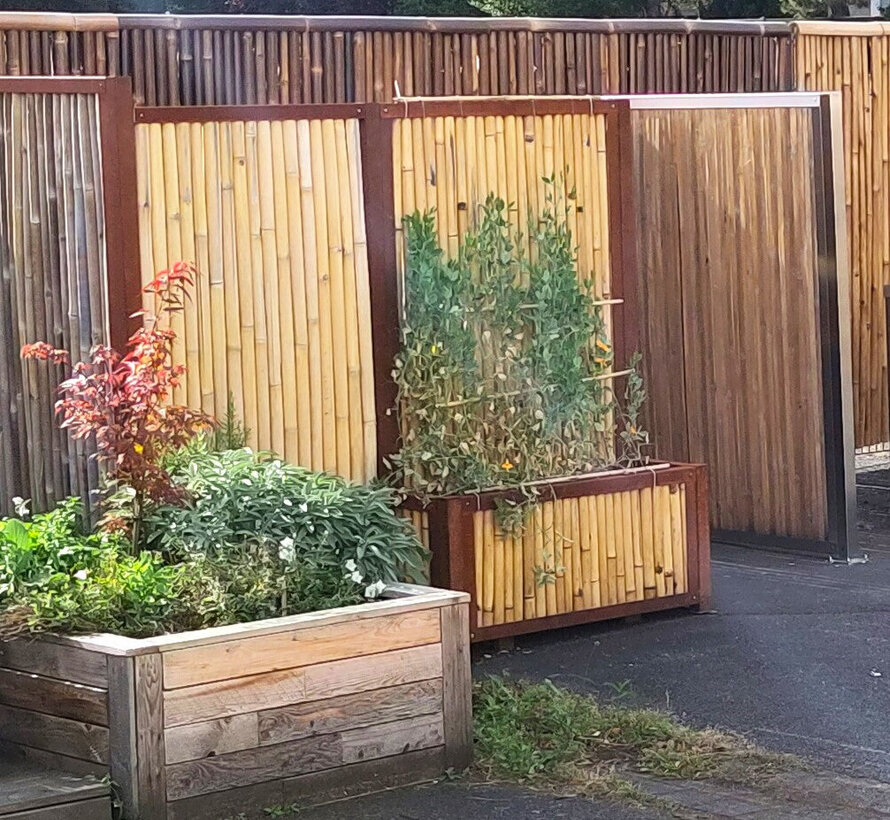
53, 288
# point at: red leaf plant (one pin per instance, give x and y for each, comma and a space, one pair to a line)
123, 400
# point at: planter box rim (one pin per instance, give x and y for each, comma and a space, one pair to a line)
617, 472
396, 598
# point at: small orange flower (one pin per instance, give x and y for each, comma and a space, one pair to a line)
507, 465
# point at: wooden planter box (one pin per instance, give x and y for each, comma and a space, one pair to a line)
596, 547
211, 723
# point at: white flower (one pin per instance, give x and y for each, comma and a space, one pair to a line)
287, 502
375, 590
304, 507
286, 550
351, 566
81, 574
21, 506
357, 577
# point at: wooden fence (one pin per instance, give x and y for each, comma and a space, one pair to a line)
743, 275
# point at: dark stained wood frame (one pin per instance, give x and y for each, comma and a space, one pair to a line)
451, 542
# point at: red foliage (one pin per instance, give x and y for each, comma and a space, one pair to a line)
123, 400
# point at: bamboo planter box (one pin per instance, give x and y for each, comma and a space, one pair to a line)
234, 719
596, 547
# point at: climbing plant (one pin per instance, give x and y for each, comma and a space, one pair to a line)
505, 374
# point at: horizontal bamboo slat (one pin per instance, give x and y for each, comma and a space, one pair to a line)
575, 554
272, 215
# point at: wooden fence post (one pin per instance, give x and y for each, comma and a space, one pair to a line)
377, 185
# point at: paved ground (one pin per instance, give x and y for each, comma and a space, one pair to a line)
796, 654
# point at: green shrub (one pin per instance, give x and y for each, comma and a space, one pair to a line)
53, 576
314, 520
256, 539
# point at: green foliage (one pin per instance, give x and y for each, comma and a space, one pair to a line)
241, 498
53, 576
537, 732
503, 373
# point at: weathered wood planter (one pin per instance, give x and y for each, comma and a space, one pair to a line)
596, 547
211, 723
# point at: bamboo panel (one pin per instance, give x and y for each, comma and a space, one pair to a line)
248, 60
451, 164
272, 215
420, 521
566, 557
742, 323
830, 59
53, 286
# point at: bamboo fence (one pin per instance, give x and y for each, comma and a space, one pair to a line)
239, 59
452, 163
52, 261
272, 214
580, 553
728, 253
855, 60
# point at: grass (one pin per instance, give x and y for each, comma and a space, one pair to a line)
544, 736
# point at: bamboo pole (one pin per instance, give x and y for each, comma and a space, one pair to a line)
488, 570
479, 564
283, 305
563, 601
678, 538
540, 561
549, 543
204, 309
246, 241
578, 581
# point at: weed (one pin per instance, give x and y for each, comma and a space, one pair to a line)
544, 736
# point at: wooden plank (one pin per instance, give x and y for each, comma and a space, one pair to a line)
27, 690
457, 686
55, 734
55, 661
213, 774
420, 598
122, 731
254, 693
51, 760
98, 808
364, 709
396, 738
150, 773
211, 738
319, 787
301, 648
24, 786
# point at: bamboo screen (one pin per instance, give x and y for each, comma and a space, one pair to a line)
856, 61
243, 59
452, 164
728, 257
52, 281
272, 215
578, 553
